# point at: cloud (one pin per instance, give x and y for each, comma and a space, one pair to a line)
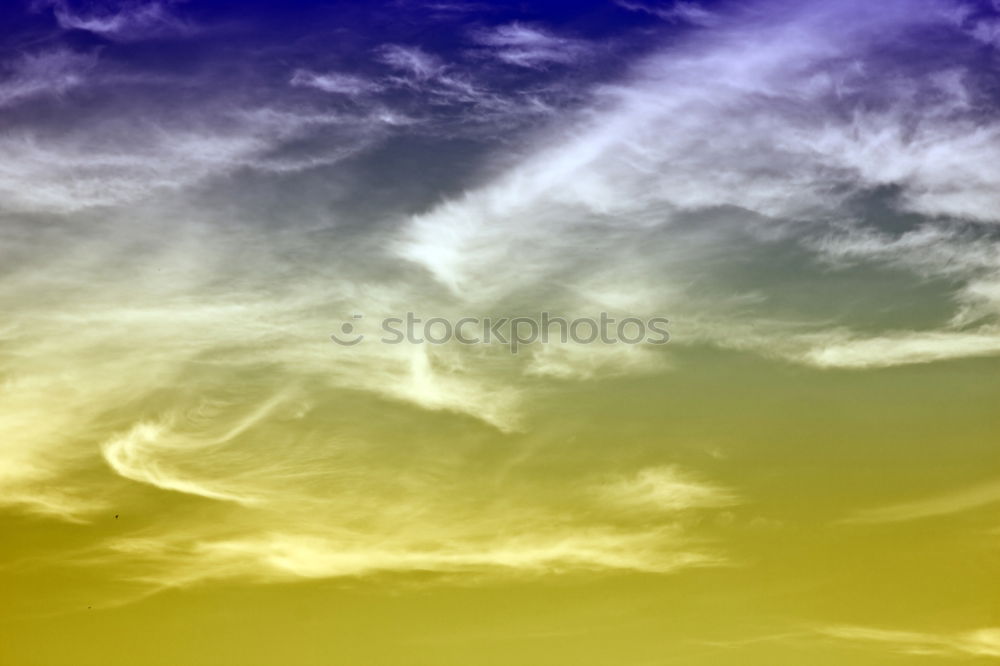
429, 534
165, 343
303, 459
569, 361
932, 251
46, 73
156, 452
527, 46
118, 164
333, 82
959, 501
978, 643
666, 489
436, 83
72, 174
46, 414
125, 20
903, 349
280, 557
931, 159
689, 12
412, 60
432, 96
819, 126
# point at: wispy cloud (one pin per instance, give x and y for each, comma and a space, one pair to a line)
903, 349
666, 489
576, 362
124, 20
671, 10
46, 73
527, 46
333, 82
435, 96
661, 147
412, 60
944, 504
978, 643
123, 163
281, 557
443, 541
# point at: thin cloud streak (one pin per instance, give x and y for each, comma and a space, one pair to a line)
977, 643
945, 504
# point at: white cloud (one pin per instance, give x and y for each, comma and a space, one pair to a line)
334, 82
281, 556
72, 173
671, 10
157, 452
902, 349
945, 504
978, 643
124, 20
666, 489
416, 86
527, 46
47, 73
120, 164
412, 60
667, 142
430, 533
570, 361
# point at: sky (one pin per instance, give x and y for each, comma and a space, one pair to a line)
195, 195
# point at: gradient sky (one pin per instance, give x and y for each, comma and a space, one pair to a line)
195, 194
